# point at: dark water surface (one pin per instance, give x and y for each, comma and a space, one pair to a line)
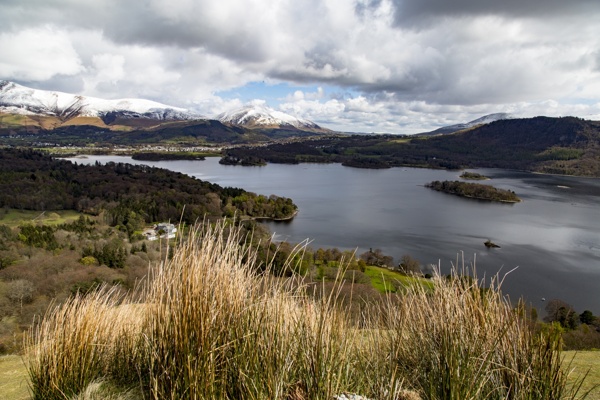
552, 238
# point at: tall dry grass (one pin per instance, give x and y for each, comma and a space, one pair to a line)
83, 340
218, 330
461, 341
208, 325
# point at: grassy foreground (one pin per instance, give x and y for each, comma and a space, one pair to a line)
209, 326
14, 383
582, 363
13, 378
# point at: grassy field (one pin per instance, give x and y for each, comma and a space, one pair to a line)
387, 281
14, 385
12, 217
13, 378
585, 362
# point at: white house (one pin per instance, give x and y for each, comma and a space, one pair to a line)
163, 230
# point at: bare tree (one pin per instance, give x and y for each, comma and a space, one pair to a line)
410, 265
20, 291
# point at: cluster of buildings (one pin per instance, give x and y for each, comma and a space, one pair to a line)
164, 230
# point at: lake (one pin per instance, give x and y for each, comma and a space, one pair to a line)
550, 242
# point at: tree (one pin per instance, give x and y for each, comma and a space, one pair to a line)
561, 312
587, 317
7, 258
21, 291
410, 265
377, 258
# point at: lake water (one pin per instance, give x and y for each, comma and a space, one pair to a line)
550, 242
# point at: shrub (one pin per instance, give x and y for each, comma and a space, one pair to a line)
88, 260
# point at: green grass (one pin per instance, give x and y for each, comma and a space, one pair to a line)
13, 378
13, 217
14, 381
10, 120
387, 281
581, 363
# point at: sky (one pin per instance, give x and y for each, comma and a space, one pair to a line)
385, 66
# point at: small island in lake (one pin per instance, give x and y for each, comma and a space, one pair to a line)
475, 191
247, 161
474, 176
491, 245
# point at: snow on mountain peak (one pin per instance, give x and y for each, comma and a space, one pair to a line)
15, 98
486, 119
261, 116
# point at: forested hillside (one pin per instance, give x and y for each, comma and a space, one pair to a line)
551, 145
130, 194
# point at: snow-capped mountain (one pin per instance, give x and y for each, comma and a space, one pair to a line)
17, 99
486, 119
264, 117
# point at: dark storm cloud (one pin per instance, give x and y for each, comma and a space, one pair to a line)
151, 23
410, 12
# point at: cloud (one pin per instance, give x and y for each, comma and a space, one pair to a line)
37, 54
407, 12
397, 58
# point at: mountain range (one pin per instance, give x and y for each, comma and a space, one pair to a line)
51, 109
17, 99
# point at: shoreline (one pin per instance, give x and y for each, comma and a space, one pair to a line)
482, 198
291, 217
130, 154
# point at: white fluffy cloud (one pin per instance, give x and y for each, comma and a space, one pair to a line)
410, 65
37, 54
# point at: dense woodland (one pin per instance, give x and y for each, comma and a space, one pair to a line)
474, 190
131, 195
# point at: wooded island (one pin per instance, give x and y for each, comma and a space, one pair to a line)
475, 191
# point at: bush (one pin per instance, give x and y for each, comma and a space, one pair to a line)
88, 260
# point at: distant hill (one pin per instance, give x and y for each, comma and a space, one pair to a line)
565, 145
30, 116
486, 119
